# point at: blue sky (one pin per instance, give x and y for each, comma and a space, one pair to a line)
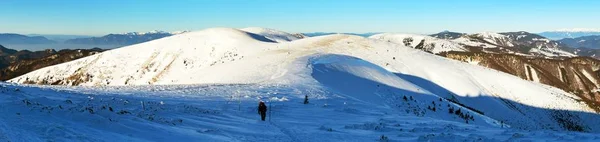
99, 17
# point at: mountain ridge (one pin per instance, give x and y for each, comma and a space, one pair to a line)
562, 34
592, 42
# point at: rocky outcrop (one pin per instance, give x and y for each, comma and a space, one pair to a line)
578, 75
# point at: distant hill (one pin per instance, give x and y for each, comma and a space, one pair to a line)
14, 63
10, 38
6, 51
448, 35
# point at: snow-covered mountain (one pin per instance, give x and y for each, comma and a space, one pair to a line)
538, 45
422, 42
516, 53
335, 69
494, 38
518, 43
570, 33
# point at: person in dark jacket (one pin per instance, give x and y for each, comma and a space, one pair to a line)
262, 110
305, 99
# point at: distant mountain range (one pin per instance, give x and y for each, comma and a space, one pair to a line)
122, 39
552, 35
59, 38
9, 38
569, 33
110, 39
582, 42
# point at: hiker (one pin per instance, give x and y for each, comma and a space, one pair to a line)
305, 99
262, 110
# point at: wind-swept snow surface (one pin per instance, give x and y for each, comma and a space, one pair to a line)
359, 89
228, 113
274, 35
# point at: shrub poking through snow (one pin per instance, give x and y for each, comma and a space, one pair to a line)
383, 138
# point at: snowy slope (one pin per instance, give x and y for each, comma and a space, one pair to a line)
216, 113
485, 40
519, 43
495, 38
357, 76
271, 34
473, 42
426, 43
183, 53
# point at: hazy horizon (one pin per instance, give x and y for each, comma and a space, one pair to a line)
97, 18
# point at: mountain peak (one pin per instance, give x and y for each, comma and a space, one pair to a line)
447, 35
490, 35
